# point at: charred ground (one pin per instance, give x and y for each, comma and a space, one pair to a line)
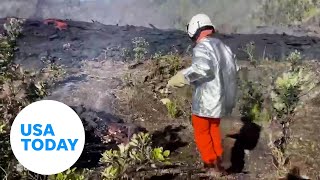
90, 41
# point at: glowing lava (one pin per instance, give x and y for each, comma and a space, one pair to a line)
59, 24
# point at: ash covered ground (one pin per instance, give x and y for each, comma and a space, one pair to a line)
96, 41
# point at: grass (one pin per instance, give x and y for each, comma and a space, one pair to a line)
172, 109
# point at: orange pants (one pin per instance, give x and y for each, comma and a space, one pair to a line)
207, 137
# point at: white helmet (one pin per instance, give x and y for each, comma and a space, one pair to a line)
197, 22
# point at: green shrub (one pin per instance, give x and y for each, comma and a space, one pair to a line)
172, 109
169, 63
71, 174
136, 153
295, 59
6, 53
289, 86
287, 90
13, 28
251, 103
140, 48
286, 96
125, 54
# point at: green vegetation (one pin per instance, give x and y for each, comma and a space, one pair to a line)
285, 96
251, 103
13, 28
138, 152
140, 48
172, 109
294, 58
169, 64
18, 88
138, 52
274, 12
71, 174
125, 54
287, 90
277, 103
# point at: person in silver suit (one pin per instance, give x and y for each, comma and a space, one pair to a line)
213, 73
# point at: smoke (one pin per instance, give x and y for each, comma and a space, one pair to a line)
160, 13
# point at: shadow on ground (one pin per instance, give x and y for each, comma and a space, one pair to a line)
169, 138
246, 139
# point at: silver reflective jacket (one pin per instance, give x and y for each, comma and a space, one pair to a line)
214, 74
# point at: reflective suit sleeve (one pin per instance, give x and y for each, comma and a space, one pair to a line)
202, 67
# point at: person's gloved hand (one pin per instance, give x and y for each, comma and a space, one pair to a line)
177, 80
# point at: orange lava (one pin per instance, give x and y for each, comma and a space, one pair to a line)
59, 24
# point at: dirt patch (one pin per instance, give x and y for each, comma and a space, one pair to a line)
304, 146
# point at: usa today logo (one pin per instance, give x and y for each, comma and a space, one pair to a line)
47, 137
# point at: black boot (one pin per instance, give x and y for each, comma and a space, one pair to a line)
209, 165
219, 166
